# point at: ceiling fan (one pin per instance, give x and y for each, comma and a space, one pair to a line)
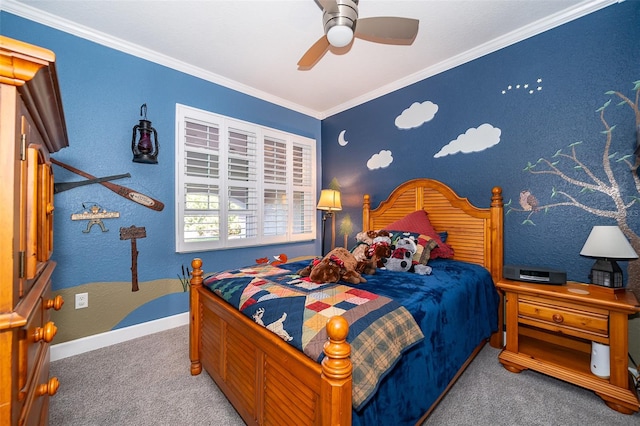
341, 25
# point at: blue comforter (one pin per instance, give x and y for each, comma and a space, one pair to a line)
297, 310
456, 307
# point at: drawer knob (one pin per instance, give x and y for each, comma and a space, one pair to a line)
50, 208
55, 303
50, 388
46, 333
557, 318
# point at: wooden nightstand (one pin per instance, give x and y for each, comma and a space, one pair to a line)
550, 330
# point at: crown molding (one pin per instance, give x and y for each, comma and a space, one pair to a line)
106, 40
516, 36
494, 45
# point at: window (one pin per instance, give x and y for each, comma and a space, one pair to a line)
239, 184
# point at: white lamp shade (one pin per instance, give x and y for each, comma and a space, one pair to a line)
329, 200
608, 242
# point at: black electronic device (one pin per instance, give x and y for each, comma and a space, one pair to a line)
534, 274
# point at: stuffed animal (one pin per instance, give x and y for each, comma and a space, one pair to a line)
367, 267
279, 260
370, 256
380, 248
338, 265
421, 269
402, 256
364, 239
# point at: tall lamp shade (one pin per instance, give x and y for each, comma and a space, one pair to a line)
606, 244
329, 202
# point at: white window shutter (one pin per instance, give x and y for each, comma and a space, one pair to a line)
239, 184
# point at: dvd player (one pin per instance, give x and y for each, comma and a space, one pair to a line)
535, 275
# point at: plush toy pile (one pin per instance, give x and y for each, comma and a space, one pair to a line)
392, 251
338, 265
371, 250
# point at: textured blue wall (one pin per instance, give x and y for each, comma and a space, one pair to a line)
566, 71
102, 91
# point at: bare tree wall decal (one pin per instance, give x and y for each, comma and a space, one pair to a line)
561, 165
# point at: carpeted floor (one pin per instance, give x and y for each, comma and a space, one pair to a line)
146, 381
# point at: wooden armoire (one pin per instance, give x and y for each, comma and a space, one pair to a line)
31, 127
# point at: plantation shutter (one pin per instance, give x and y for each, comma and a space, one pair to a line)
201, 218
242, 218
304, 203
276, 211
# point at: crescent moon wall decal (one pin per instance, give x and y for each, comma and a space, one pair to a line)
341, 139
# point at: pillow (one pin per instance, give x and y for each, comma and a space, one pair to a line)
418, 222
424, 243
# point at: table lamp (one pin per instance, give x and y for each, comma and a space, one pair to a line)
606, 244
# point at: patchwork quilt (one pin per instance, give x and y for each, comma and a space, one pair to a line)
297, 310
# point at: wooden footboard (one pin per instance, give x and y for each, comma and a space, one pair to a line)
267, 380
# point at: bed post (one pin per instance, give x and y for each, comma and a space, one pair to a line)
497, 257
366, 207
194, 316
336, 373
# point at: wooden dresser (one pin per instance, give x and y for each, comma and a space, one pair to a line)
31, 127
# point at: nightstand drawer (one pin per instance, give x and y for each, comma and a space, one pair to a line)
573, 321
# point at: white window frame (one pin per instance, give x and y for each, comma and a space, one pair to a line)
217, 177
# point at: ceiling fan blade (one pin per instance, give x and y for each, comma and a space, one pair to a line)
313, 55
387, 30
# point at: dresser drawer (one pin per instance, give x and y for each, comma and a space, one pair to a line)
34, 338
36, 407
570, 320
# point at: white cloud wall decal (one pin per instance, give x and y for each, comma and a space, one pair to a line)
473, 140
380, 160
417, 114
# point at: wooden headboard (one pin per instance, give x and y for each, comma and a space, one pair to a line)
476, 234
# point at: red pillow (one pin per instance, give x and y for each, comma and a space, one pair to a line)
419, 223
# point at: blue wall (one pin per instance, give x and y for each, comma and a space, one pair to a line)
566, 71
102, 91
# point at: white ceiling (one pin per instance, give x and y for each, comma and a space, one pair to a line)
253, 46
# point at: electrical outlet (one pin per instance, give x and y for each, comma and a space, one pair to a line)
82, 300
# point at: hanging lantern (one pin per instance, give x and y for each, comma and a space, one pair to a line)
146, 149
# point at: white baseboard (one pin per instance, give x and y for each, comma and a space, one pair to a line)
97, 341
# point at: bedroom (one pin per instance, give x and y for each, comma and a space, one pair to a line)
604, 57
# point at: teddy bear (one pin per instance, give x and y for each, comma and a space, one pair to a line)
380, 248
363, 240
338, 265
372, 247
401, 258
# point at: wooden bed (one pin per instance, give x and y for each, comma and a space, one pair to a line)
269, 381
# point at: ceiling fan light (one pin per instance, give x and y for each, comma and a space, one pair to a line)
340, 35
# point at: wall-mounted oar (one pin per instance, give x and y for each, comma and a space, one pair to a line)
65, 186
123, 191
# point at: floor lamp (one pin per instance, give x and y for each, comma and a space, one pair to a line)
329, 202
